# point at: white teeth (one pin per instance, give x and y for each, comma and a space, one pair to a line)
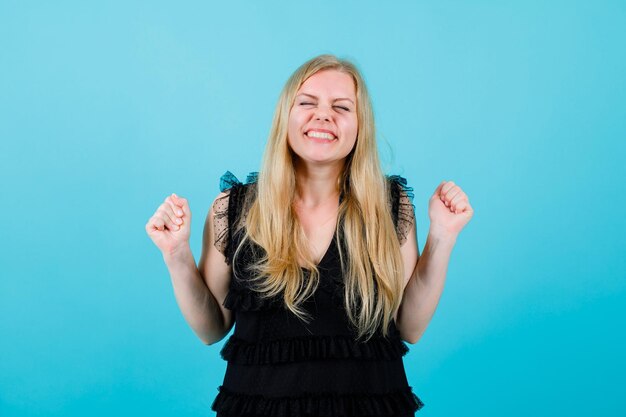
320, 135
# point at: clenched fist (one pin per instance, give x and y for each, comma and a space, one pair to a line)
449, 210
170, 225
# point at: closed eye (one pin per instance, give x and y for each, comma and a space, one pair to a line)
305, 103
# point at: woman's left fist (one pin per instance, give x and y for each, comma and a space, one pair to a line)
449, 210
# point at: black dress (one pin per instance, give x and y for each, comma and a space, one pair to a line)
280, 366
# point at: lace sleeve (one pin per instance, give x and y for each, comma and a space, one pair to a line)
402, 206
220, 222
226, 210
221, 210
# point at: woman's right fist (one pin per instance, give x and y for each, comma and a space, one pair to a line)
170, 225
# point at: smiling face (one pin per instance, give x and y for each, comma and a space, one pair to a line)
323, 122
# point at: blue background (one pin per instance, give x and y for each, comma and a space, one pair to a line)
105, 109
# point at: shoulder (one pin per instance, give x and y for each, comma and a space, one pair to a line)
401, 204
400, 195
398, 186
233, 193
229, 181
227, 209
231, 186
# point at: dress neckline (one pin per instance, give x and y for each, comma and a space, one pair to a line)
328, 250
332, 241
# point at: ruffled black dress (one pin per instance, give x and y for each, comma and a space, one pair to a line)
280, 366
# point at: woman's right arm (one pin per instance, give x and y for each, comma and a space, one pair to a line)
199, 290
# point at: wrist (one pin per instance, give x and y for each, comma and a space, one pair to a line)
175, 256
442, 235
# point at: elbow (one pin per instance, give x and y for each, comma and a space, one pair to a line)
412, 338
213, 339
211, 342
206, 340
418, 336
409, 338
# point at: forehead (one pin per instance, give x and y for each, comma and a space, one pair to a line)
329, 82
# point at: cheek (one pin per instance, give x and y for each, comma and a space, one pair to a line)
350, 132
292, 125
351, 126
293, 129
295, 121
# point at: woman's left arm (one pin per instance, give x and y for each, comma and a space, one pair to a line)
449, 211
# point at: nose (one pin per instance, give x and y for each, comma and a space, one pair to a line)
322, 113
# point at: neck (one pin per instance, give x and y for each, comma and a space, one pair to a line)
316, 185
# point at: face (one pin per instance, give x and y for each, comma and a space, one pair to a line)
323, 122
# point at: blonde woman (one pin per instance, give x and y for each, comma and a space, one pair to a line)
316, 259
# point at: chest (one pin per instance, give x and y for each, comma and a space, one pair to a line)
319, 227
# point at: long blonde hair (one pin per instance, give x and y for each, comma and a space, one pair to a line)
373, 272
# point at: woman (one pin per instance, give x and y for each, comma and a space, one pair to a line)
316, 259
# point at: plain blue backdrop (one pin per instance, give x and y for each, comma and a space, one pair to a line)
106, 108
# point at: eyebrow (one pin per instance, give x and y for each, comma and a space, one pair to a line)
337, 99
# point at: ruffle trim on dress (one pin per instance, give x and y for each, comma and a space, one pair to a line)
394, 403
297, 349
403, 209
402, 183
228, 180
